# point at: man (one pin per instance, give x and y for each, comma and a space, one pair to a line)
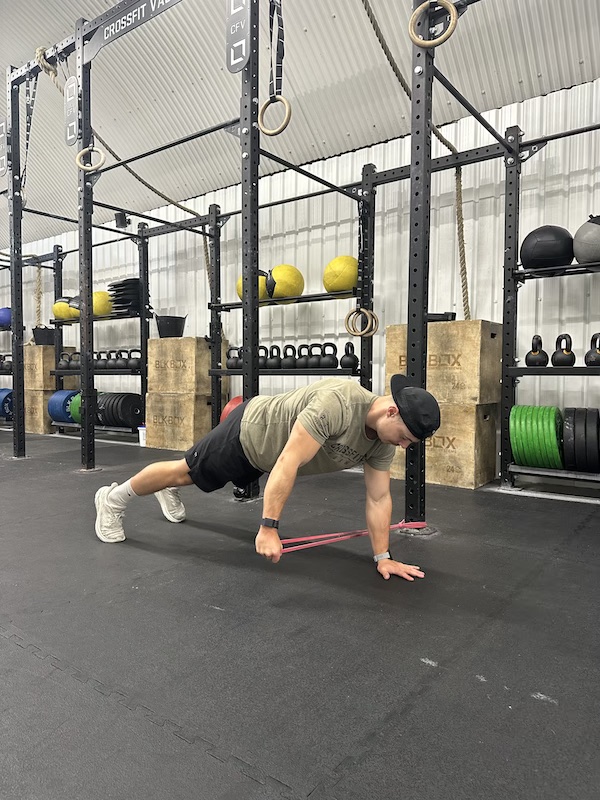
330, 425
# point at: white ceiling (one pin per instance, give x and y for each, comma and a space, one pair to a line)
167, 78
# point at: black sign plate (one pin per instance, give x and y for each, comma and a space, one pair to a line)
237, 34
123, 21
71, 111
3, 159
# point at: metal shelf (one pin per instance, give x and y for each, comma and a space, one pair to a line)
292, 300
65, 372
75, 320
519, 371
521, 274
554, 473
325, 372
97, 427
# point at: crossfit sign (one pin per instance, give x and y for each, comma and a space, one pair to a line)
124, 20
237, 34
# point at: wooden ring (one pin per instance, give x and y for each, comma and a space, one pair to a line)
89, 167
261, 115
417, 40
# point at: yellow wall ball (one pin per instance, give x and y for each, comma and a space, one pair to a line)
289, 281
61, 309
262, 287
341, 274
101, 304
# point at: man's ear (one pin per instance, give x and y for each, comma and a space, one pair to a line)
392, 411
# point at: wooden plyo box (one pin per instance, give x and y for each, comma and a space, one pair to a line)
37, 419
463, 451
38, 361
175, 421
464, 359
180, 365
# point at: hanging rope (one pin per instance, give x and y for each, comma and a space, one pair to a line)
460, 228
52, 72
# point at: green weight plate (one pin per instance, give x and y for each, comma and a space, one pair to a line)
591, 440
75, 408
554, 437
519, 436
569, 439
514, 436
539, 413
580, 435
528, 437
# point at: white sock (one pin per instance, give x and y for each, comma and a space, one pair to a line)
121, 495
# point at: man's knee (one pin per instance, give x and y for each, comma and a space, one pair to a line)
182, 473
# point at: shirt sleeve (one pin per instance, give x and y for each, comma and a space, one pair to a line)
381, 456
324, 417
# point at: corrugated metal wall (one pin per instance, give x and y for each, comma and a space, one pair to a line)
559, 186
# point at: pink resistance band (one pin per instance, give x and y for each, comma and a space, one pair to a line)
331, 538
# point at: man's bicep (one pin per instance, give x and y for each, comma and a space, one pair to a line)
301, 447
377, 482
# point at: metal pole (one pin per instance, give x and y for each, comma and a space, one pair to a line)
418, 262
86, 210
216, 330
58, 329
366, 261
142, 244
15, 212
509, 321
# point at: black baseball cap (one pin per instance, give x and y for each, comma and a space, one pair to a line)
418, 408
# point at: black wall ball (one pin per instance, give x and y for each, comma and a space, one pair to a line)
548, 246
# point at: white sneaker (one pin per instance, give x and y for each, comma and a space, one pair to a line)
109, 521
171, 504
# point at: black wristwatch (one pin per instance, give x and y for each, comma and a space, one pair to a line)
267, 522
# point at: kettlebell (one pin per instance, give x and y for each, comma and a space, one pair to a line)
135, 361
274, 360
63, 361
233, 361
536, 357
592, 357
349, 360
563, 356
302, 360
7, 365
101, 363
75, 362
329, 360
289, 357
111, 362
314, 359
121, 362
263, 353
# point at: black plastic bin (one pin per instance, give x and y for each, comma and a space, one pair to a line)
170, 326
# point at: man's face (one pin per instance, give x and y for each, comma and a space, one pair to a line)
392, 430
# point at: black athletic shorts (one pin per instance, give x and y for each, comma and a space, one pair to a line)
218, 457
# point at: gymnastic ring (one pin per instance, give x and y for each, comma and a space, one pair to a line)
450, 8
261, 115
89, 167
352, 317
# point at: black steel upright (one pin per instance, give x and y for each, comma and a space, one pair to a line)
86, 210
143, 259
366, 262
250, 146
418, 261
15, 211
215, 331
57, 267
509, 320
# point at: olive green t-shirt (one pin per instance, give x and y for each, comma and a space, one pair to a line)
333, 411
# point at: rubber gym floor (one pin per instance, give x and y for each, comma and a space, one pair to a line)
179, 664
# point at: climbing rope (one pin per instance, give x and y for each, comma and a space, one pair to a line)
441, 138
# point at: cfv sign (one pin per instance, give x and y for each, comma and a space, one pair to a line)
237, 34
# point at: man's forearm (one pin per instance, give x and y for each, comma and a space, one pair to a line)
379, 519
278, 488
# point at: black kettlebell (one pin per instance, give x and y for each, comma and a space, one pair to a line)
135, 361
563, 355
329, 360
75, 362
7, 365
263, 353
349, 360
233, 361
536, 357
63, 361
592, 357
122, 362
101, 363
111, 362
289, 357
274, 360
302, 360
314, 359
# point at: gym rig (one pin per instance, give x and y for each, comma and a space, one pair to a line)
431, 24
